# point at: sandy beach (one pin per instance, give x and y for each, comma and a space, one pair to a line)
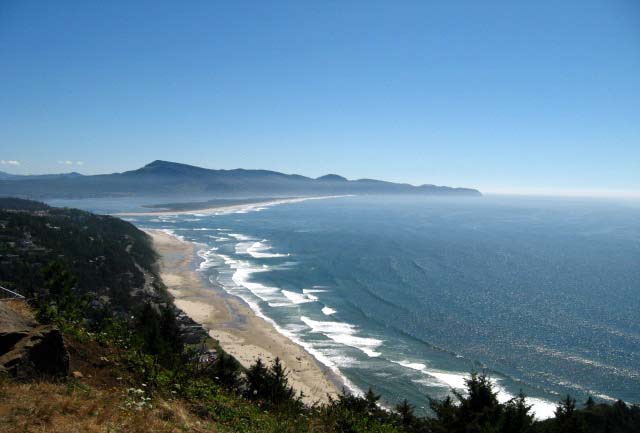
211, 210
230, 321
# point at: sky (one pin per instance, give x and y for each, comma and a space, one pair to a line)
511, 97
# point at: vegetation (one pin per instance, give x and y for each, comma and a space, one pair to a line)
111, 260
144, 378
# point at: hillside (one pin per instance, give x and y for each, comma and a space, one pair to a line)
170, 178
112, 261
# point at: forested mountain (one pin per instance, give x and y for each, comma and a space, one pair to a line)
110, 260
170, 178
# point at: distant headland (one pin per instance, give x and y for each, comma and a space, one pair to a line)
171, 178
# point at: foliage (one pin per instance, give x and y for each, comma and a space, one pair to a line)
111, 260
270, 386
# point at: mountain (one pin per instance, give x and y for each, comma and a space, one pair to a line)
332, 177
8, 176
170, 178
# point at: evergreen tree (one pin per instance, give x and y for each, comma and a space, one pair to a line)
590, 403
372, 401
279, 389
480, 405
257, 379
57, 300
566, 419
226, 370
58, 281
149, 325
171, 345
516, 417
446, 415
407, 417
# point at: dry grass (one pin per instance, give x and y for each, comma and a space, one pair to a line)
48, 407
20, 306
96, 404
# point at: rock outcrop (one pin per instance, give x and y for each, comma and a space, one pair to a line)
29, 350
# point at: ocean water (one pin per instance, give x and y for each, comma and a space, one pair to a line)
409, 294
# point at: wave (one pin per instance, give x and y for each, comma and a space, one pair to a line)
280, 304
256, 249
314, 290
412, 365
239, 285
241, 272
542, 408
171, 232
618, 371
210, 258
240, 237
328, 311
235, 277
299, 298
344, 333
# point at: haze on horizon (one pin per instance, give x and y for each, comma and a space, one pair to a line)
540, 98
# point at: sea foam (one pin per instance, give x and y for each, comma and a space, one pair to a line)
344, 333
456, 380
171, 232
258, 249
313, 290
299, 298
209, 257
240, 237
328, 311
239, 284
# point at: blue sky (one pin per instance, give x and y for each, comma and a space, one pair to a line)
505, 96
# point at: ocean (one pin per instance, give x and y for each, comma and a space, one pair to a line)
408, 295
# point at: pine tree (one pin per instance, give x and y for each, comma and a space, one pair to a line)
517, 417
407, 418
590, 403
226, 371
280, 391
257, 378
480, 405
566, 418
446, 415
372, 401
149, 325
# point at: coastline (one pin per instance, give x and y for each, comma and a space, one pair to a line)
240, 332
212, 210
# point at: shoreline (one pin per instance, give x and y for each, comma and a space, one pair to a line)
239, 331
213, 210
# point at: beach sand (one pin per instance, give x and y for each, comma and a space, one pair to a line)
230, 321
209, 210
